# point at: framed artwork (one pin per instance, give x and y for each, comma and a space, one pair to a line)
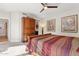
51, 25
69, 24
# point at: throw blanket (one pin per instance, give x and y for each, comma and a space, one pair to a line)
51, 45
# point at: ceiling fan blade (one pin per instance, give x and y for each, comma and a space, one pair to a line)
41, 10
43, 4
52, 6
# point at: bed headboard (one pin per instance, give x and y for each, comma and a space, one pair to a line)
33, 36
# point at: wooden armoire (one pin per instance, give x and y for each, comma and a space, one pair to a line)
28, 27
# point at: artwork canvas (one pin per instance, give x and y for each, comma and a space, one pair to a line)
51, 25
69, 24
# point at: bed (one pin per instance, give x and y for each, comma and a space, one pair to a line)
53, 45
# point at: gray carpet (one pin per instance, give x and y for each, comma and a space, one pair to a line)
3, 47
13, 44
24, 54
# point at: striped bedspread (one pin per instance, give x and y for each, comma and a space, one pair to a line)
51, 45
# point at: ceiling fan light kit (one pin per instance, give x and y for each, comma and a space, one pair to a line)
45, 8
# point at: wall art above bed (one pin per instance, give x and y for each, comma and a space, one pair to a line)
69, 24
51, 25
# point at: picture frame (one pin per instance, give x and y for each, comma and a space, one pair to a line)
51, 25
69, 24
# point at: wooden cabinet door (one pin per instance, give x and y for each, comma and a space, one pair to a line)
28, 26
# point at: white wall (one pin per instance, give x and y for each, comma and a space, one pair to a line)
42, 23
5, 15
58, 23
14, 25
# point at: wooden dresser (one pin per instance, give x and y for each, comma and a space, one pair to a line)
28, 27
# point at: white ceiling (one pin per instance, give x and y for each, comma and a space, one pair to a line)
35, 8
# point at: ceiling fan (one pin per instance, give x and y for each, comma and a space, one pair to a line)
46, 6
